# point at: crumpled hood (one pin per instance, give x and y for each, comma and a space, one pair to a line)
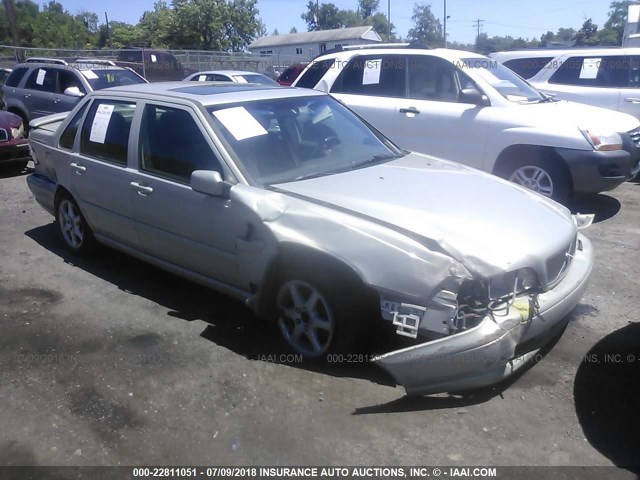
488, 224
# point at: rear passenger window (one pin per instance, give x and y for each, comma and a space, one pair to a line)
376, 75
106, 129
69, 135
609, 71
314, 73
527, 67
172, 145
42, 79
15, 76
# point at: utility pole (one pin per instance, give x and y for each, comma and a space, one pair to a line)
317, 14
478, 24
106, 18
445, 24
389, 15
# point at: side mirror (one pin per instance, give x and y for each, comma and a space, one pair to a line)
210, 183
73, 92
473, 96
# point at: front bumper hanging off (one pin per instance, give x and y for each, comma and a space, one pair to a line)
497, 347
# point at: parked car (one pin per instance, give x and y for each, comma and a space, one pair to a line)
604, 77
468, 108
529, 62
35, 89
288, 76
4, 73
236, 76
287, 200
14, 149
154, 65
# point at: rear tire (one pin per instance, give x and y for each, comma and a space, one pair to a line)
75, 232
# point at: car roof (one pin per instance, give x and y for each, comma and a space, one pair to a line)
83, 66
557, 52
227, 72
446, 53
209, 93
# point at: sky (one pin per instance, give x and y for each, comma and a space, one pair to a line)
518, 18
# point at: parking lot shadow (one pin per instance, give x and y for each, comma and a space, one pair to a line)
603, 206
606, 393
7, 171
230, 323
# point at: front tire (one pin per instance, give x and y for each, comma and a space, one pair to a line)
540, 175
73, 229
318, 313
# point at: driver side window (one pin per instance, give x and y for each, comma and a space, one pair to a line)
172, 145
431, 78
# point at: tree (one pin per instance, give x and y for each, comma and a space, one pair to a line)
368, 7
55, 27
426, 29
293, 30
156, 27
588, 34
325, 17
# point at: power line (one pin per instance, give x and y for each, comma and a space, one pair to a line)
478, 24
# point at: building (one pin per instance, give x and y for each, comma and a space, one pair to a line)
302, 47
631, 36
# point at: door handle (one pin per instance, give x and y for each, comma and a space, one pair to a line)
142, 189
56, 100
632, 100
27, 95
79, 168
412, 110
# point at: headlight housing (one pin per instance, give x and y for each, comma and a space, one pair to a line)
602, 139
18, 132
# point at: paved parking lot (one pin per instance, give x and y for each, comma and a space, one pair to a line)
109, 361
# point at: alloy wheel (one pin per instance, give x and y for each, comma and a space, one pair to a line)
70, 223
534, 178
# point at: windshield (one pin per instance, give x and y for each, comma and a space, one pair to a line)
256, 78
288, 139
100, 78
505, 81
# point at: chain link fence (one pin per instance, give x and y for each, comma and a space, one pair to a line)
270, 65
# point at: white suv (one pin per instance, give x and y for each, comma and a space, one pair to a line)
471, 109
604, 77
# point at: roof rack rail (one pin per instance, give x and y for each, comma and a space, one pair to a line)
375, 45
95, 61
57, 61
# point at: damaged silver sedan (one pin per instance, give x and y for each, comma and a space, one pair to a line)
285, 199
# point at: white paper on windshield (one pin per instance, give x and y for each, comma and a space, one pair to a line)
89, 74
240, 123
101, 123
371, 73
40, 77
589, 70
154, 58
202, 78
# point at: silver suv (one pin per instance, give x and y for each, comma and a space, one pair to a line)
44, 86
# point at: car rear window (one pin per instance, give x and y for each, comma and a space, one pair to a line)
527, 67
314, 73
105, 78
593, 71
15, 76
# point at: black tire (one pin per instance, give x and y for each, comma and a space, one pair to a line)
75, 232
340, 303
552, 176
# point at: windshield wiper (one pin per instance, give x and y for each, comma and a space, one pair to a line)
547, 98
378, 159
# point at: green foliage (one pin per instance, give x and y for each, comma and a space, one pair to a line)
588, 34
327, 16
427, 30
367, 8
486, 45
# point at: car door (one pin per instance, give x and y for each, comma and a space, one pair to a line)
630, 96
39, 88
62, 102
100, 178
434, 117
373, 86
175, 223
592, 79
